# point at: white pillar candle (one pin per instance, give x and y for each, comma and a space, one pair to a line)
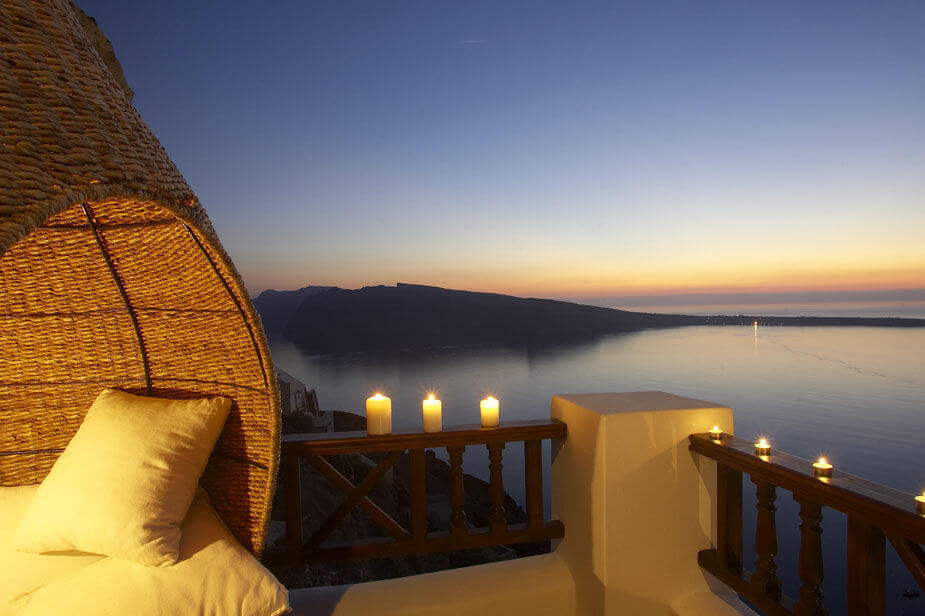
433, 414
490, 412
378, 415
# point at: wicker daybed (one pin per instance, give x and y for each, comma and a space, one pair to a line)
111, 274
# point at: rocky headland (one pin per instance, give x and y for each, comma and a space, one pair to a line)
327, 320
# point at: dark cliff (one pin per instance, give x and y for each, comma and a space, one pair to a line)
412, 316
324, 320
276, 308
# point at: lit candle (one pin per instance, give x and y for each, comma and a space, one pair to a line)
433, 414
763, 447
490, 413
920, 503
716, 433
822, 468
378, 415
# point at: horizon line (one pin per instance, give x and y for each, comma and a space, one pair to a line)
684, 297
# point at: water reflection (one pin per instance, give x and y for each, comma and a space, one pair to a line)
854, 394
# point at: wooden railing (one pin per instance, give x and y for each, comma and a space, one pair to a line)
875, 513
312, 448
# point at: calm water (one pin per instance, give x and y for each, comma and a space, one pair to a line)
855, 395
912, 309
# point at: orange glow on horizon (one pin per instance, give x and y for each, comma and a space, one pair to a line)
560, 273
676, 284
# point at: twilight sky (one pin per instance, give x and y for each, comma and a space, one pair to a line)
567, 149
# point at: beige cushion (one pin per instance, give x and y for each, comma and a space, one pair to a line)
214, 575
126, 480
19, 571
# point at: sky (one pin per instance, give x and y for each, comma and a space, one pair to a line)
550, 149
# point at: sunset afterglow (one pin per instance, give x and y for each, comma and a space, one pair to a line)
556, 151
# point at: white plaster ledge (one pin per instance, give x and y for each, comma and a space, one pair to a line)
537, 585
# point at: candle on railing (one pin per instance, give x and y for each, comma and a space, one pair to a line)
490, 412
763, 447
822, 468
433, 414
715, 433
920, 503
378, 415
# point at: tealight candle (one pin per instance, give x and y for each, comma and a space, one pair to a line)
716, 433
763, 447
490, 412
822, 468
433, 414
920, 503
378, 415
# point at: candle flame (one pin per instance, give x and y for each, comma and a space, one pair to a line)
491, 399
763, 442
715, 429
378, 396
430, 397
823, 461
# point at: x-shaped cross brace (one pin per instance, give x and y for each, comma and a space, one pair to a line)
355, 495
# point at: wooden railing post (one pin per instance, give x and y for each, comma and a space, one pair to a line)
418, 486
417, 538
533, 476
875, 514
457, 491
293, 483
810, 566
765, 578
866, 569
497, 521
729, 517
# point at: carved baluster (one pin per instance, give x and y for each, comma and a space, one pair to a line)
496, 484
765, 578
810, 567
457, 491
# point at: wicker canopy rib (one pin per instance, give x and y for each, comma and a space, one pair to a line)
111, 274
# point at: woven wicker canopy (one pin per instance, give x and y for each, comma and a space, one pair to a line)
111, 274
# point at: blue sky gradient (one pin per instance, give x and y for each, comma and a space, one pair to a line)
550, 149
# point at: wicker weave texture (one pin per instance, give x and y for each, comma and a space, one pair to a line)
111, 274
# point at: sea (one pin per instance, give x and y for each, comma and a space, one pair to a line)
855, 395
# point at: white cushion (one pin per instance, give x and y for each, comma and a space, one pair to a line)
214, 575
126, 479
21, 572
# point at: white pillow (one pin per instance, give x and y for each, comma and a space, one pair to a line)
214, 576
20, 572
126, 479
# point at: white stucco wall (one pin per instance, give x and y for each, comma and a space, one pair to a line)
538, 585
637, 507
636, 504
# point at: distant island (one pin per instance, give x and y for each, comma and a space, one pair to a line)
325, 320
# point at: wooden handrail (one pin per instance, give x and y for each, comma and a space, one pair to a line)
310, 448
325, 443
874, 512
